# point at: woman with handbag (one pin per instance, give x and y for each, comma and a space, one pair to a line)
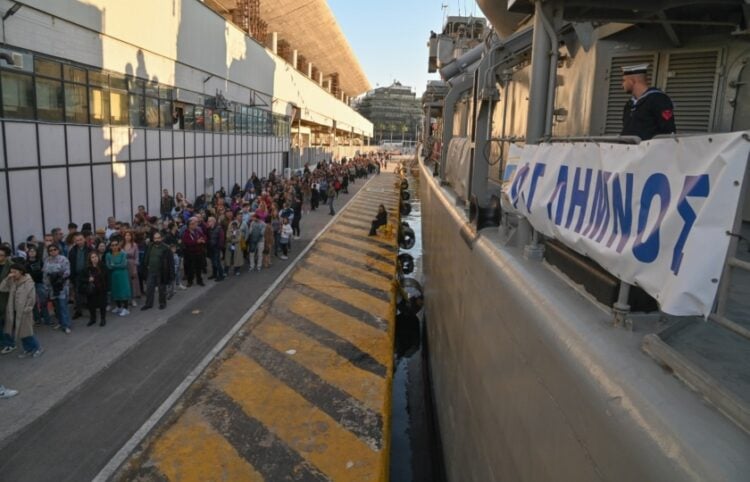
96, 289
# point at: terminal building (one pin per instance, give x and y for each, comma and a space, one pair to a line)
102, 109
394, 111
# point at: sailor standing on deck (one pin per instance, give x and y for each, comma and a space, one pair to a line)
649, 112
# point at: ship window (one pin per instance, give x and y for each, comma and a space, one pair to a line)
49, 99
17, 95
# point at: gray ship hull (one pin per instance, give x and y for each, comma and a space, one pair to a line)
533, 383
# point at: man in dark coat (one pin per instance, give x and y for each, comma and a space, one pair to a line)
159, 265
78, 257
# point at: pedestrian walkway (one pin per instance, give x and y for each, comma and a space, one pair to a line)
302, 392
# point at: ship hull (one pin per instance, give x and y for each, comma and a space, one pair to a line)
533, 383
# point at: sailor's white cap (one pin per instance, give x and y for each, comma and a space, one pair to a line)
635, 69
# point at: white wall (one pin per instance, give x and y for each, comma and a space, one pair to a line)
109, 171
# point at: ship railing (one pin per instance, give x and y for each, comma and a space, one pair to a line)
733, 262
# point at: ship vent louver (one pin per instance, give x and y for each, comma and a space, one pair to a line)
691, 83
616, 97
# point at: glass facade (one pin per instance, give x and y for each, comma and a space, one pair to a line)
55, 91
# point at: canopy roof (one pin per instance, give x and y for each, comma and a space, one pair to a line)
310, 27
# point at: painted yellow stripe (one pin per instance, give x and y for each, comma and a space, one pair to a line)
365, 211
302, 426
365, 337
344, 293
371, 204
324, 362
383, 267
366, 277
348, 230
360, 244
356, 220
191, 450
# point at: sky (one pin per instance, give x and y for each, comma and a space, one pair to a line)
389, 37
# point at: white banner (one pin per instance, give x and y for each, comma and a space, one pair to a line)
655, 215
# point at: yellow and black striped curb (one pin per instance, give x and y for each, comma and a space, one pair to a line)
303, 391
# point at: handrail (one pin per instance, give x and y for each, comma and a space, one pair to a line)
613, 139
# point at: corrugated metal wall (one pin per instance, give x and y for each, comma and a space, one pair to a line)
52, 174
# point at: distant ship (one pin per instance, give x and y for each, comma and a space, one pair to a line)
586, 292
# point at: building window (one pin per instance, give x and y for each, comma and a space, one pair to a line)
99, 105
120, 107
137, 110
17, 95
47, 68
98, 78
166, 117
188, 115
76, 103
200, 119
152, 112
49, 100
74, 74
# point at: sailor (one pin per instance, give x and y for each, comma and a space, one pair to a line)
649, 112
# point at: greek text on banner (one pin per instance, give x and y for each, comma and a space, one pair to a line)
654, 215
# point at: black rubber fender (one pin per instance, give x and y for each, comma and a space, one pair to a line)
405, 196
404, 184
405, 208
406, 261
406, 238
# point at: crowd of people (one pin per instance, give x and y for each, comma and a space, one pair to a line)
111, 270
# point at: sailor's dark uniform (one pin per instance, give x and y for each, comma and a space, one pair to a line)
649, 115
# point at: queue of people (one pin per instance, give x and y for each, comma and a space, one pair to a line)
111, 270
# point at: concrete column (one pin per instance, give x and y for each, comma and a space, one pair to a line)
295, 58
309, 69
320, 78
275, 42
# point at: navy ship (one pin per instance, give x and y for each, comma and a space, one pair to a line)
586, 291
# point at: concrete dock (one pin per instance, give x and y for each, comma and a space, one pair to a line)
302, 391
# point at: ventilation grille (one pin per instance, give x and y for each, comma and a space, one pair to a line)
617, 98
691, 83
